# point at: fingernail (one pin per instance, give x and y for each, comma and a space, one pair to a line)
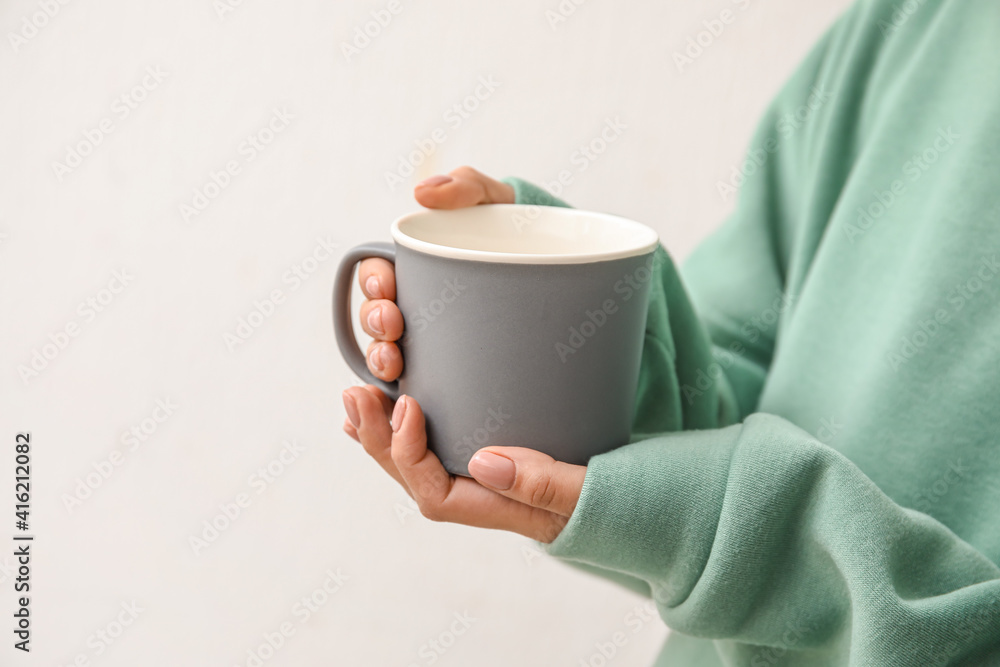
398, 413
372, 287
493, 470
376, 358
375, 321
435, 181
351, 408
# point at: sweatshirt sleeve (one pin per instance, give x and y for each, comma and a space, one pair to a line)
759, 534
746, 528
755, 533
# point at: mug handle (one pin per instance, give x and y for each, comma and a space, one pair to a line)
343, 327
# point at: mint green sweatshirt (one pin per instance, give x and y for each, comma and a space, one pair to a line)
814, 475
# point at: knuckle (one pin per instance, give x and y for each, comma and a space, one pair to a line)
398, 457
431, 511
541, 491
430, 494
464, 170
434, 486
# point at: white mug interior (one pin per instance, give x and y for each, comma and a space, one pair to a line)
523, 234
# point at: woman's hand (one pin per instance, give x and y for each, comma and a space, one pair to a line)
380, 318
515, 489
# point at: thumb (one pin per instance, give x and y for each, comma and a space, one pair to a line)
462, 188
530, 477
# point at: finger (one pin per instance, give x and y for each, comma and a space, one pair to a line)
471, 504
367, 413
385, 361
442, 497
378, 279
529, 476
350, 430
419, 467
462, 188
381, 320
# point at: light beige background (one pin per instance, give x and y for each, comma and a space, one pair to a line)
64, 235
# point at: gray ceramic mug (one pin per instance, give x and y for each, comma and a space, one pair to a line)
524, 326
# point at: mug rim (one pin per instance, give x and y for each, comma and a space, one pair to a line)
649, 244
